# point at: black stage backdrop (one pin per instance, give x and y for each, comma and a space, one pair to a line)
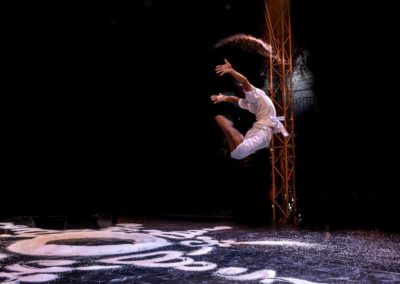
108, 110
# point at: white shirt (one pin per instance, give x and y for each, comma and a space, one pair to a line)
257, 102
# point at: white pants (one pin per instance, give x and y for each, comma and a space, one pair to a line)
255, 139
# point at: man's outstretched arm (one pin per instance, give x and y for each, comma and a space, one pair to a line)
227, 69
222, 98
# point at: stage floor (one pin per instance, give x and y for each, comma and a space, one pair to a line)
159, 251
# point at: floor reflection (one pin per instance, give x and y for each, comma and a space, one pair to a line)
109, 249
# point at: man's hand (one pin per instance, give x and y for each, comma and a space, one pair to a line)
218, 98
227, 69
224, 68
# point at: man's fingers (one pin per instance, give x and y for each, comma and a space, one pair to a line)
226, 61
214, 99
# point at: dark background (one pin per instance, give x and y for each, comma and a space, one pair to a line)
107, 111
